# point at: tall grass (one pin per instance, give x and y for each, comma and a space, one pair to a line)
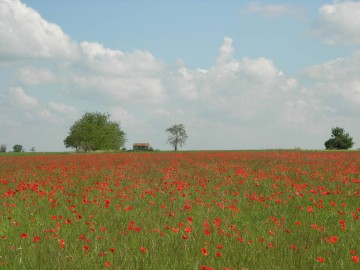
196, 210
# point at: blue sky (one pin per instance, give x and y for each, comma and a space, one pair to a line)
238, 74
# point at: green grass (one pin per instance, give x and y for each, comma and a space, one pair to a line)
248, 209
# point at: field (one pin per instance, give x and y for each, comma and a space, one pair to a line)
185, 210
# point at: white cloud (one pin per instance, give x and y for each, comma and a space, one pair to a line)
339, 78
115, 62
18, 97
123, 116
226, 50
62, 108
36, 76
117, 89
275, 10
23, 33
339, 23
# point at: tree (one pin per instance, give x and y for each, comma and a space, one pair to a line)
177, 135
3, 148
94, 131
18, 148
339, 139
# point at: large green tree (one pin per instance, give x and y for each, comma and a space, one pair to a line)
94, 131
18, 148
339, 139
177, 135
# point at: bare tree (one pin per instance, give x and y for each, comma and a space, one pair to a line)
177, 135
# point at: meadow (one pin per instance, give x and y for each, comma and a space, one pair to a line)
181, 210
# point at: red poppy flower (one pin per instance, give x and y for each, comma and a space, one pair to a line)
143, 249
24, 235
36, 239
320, 259
333, 239
204, 251
355, 259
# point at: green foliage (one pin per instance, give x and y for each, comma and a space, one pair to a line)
3, 148
94, 131
339, 140
18, 148
177, 135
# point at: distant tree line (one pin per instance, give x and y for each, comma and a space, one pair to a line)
94, 131
17, 148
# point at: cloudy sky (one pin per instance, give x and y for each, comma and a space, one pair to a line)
238, 74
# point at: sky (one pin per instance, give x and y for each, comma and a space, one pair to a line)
238, 74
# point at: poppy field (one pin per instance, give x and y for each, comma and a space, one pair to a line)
181, 210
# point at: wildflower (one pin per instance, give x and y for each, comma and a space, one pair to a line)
217, 222
107, 264
218, 254
204, 251
320, 259
333, 239
143, 249
36, 239
61, 243
190, 219
24, 235
355, 259
188, 229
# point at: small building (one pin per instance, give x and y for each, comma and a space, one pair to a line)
141, 147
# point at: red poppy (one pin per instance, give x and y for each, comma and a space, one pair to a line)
320, 259
24, 235
333, 239
204, 251
143, 249
36, 239
355, 259
107, 264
